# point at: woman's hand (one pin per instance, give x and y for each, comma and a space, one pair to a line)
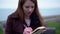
27, 30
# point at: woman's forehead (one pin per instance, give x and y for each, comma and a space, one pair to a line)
28, 2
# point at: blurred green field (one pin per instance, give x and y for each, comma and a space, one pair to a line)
1, 30
56, 25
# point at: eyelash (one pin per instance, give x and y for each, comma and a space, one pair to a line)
28, 7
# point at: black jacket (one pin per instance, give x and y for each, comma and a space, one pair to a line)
14, 26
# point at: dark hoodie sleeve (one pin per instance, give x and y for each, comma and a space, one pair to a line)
8, 28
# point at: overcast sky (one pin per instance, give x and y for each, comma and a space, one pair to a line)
41, 3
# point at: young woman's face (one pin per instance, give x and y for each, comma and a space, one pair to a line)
28, 7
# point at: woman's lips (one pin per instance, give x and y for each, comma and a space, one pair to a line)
29, 12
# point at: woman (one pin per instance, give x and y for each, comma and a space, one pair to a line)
25, 19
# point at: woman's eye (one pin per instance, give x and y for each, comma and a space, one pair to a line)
32, 6
27, 6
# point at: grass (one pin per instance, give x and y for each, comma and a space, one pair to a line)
1, 30
56, 25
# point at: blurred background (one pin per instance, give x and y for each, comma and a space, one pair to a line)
49, 9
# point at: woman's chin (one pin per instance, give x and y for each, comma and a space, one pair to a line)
28, 15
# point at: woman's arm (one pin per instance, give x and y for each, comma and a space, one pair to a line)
8, 29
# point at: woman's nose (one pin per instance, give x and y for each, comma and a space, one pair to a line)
30, 9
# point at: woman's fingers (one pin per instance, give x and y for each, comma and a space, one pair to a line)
27, 30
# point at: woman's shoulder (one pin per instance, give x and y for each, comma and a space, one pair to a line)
13, 15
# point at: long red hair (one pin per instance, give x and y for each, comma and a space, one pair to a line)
35, 12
